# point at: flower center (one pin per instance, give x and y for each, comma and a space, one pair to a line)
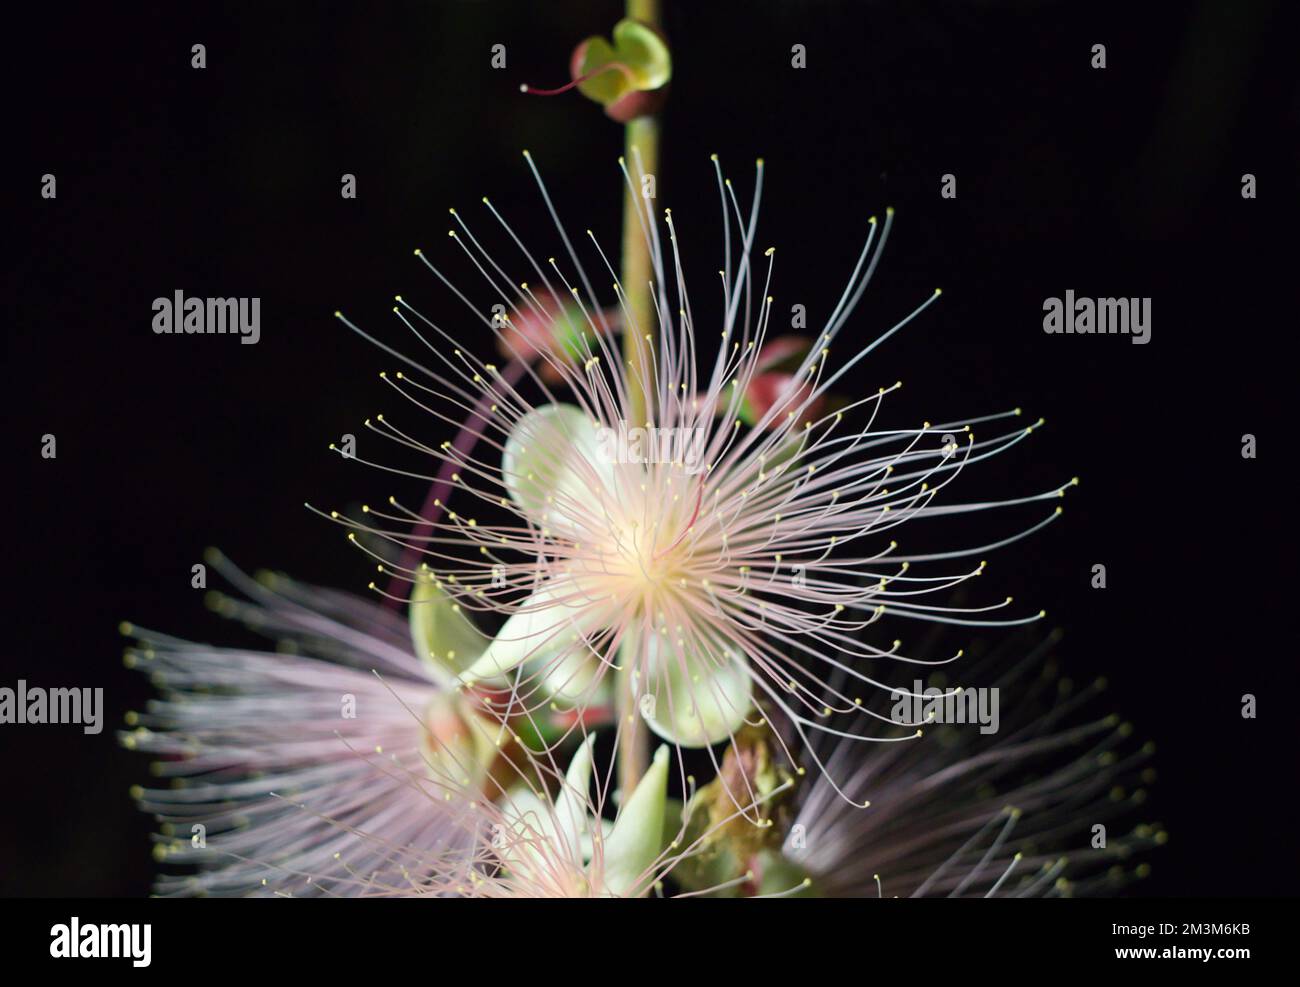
646, 549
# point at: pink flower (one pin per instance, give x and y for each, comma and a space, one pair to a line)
276, 759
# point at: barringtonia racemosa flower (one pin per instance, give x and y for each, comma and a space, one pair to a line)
732, 572
335, 720
1043, 807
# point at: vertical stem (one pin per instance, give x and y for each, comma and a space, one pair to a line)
634, 735
644, 10
642, 136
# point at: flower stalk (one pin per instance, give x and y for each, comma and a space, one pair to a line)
640, 144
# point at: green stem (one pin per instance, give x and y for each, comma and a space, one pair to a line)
644, 10
642, 137
634, 736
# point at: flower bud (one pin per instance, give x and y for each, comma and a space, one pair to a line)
628, 78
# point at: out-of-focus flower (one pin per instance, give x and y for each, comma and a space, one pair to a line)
273, 757
773, 383
552, 327
1045, 807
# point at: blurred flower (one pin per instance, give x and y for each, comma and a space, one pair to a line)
336, 721
551, 327
772, 383
1044, 808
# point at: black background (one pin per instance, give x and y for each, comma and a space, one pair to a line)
1122, 181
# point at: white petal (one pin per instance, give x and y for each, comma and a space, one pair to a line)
695, 701
571, 677
572, 817
555, 618
553, 468
531, 819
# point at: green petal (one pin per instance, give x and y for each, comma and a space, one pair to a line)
698, 701
443, 637
636, 840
